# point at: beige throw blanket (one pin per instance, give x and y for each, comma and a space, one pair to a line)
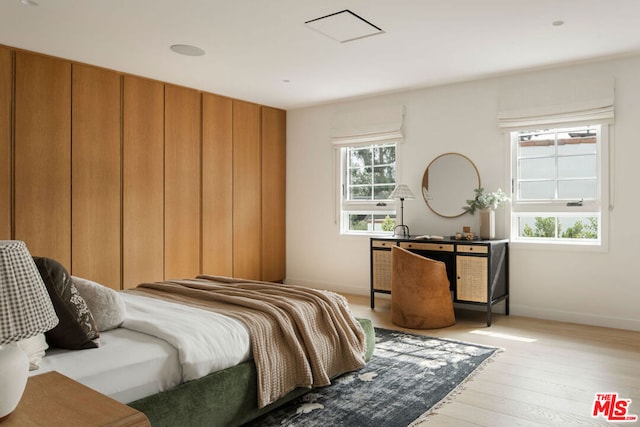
300, 337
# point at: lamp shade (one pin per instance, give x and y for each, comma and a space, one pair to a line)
403, 192
25, 307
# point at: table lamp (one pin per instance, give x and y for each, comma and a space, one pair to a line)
402, 192
25, 311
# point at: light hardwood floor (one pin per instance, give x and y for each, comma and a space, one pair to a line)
548, 373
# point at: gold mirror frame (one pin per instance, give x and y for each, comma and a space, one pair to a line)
448, 182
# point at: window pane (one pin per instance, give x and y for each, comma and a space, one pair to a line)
568, 228
578, 228
544, 168
359, 157
385, 155
536, 143
577, 167
577, 189
539, 226
580, 140
371, 222
537, 190
360, 176
384, 174
382, 192
384, 223
360, 193
359, 222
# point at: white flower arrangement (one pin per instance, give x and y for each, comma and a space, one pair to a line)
485, 200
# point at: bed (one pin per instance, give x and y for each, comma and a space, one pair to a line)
145, 358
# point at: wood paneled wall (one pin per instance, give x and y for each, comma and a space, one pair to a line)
247, 194
274, 128
95, 174
6, 79
143, 181
217, 185
42, 155
125, 180
181, 182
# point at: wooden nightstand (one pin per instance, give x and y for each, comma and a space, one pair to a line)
53, 399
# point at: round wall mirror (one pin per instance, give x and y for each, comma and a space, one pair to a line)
448, 182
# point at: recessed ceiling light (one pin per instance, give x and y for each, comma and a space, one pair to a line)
29, 3
185, 49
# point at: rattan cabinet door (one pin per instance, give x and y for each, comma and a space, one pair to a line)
382, 270
471, 275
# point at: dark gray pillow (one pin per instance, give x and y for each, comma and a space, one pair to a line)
77, 328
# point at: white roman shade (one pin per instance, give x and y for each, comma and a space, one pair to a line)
368, 126
579, 101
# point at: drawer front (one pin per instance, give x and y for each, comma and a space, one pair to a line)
382, 243
473, 249
427, 246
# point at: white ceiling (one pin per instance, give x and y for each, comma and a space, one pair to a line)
261, 51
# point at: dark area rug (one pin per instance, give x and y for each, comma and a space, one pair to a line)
407, 377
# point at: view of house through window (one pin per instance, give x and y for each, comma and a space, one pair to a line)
368, 177
557, 185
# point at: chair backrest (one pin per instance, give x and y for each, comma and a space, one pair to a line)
420, 296
410, 269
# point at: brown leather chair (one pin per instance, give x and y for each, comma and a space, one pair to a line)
420, 297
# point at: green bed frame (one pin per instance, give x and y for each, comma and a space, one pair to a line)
223, 398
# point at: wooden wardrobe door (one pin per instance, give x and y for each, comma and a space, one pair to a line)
247, 207
273, 194
143, 181
95, 172
182, 182
217, 185
42, 155
6, 79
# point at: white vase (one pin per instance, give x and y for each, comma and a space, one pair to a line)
487, 224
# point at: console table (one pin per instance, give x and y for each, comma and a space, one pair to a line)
478, 270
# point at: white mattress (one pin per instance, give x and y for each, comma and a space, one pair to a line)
160, 345
127, 366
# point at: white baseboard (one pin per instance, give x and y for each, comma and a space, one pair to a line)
515, 309
575, 317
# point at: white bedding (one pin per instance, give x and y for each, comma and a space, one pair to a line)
159, 345
206, 341
127, 366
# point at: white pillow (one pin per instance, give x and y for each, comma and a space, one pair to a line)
104, 303
34, 347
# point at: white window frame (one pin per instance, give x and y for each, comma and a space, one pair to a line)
598, 207
362, 207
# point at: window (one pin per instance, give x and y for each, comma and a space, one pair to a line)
366, 142
558, 182
368, 176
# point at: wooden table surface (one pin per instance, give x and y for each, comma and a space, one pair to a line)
52, 399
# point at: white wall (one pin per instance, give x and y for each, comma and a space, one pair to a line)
600, 288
